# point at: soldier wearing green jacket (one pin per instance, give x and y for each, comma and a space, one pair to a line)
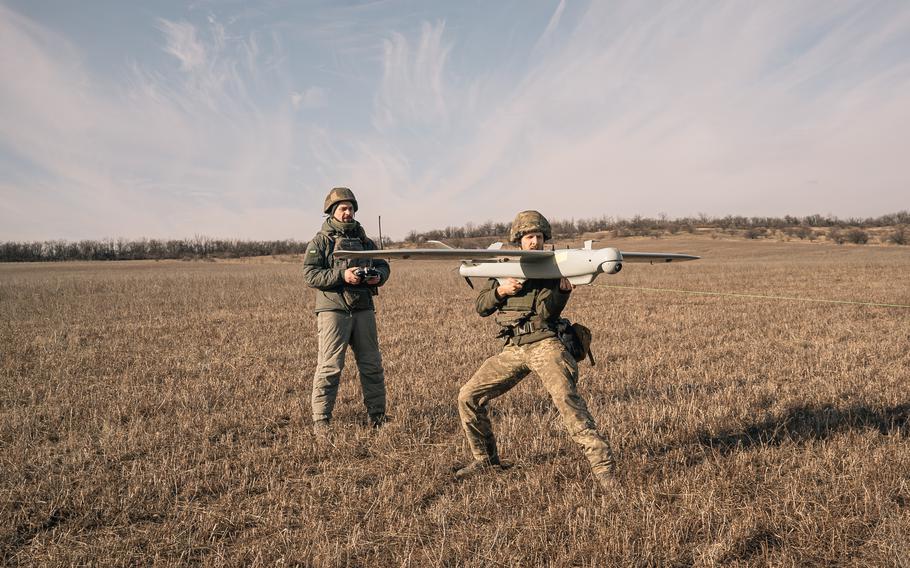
528, 312
344, 310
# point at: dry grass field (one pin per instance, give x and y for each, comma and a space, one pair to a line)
157, 413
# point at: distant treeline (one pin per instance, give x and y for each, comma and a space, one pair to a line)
852, 230
153, 249
752, 227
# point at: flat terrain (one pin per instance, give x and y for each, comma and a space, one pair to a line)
157, 412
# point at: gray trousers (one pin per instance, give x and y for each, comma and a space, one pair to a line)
336, 331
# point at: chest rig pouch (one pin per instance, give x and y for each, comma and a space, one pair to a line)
518, 316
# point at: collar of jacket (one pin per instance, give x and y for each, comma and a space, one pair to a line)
334, 227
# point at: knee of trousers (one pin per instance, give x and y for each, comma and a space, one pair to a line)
326, 380
330, 365
371, 368
568, 400
326, 391
467, 397
471, 406
578, 423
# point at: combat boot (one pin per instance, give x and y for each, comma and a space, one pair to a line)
378, 420
478, 466
604, 470
322, 430
608, 482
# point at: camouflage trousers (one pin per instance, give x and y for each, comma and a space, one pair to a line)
336, 331
558, 372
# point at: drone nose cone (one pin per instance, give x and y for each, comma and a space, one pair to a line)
611, 260
611, 267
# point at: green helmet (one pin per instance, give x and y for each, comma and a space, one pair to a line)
529, 222
337, 195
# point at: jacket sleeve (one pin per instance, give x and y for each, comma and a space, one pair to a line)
487, 303
551, 304
316, 270
562, 297
381, 266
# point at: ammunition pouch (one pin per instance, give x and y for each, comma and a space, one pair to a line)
576, 338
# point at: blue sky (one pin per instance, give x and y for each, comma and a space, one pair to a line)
233, 119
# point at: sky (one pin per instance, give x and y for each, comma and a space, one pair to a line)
233, 119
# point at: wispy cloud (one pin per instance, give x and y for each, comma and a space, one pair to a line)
412, 88
310, 98
443, 114
547, 35
630, 110
183, 44
692, 108
155, 153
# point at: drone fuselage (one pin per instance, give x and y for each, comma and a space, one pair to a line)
580, 266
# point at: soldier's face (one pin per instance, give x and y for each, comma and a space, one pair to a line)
532, 241
344, 212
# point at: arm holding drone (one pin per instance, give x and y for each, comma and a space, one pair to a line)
487, 300
493, 295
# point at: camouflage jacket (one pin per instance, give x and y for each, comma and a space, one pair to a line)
540, 302
326, 274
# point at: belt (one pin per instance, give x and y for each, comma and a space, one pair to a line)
525, 328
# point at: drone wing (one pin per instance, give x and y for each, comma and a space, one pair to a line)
653, 257
464, 255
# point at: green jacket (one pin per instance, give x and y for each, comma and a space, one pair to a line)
539, 302
326, 274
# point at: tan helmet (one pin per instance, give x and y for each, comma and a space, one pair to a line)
529, 222
337, 195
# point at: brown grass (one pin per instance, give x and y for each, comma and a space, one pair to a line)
151, 413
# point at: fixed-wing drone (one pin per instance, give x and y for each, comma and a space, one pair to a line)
580, 266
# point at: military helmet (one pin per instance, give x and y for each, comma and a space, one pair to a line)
529, 222
337, 195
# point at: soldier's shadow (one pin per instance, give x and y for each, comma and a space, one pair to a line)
804, 423
797, 425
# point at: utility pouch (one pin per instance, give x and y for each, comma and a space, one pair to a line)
576, 338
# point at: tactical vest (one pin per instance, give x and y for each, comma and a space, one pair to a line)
528, 316
340, 296
353, 296
518, 307
338, 242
